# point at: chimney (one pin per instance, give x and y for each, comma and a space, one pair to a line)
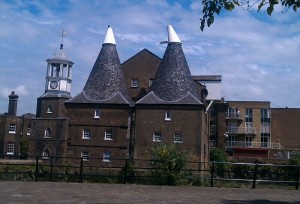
12, 105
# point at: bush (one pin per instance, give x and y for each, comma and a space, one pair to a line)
168, 165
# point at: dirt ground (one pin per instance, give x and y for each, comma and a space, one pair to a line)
47, 192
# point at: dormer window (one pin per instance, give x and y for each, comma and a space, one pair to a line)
168, 116
134, 83
49, 109
150, 82
97, 113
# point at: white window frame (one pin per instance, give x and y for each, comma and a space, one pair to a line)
157, 137
45, 154
86, 134
85, 155
10, 148
134, 83
106, 156
168, 116
47, 133
108, 134
49, 109
178, 138
12, 128
28, 131
97, 113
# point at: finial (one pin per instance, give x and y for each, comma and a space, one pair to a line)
172, 36
109, 37
63, 34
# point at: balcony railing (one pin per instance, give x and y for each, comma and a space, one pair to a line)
245, 144
239, 130
234, 115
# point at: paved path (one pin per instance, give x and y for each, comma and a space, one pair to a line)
46, 192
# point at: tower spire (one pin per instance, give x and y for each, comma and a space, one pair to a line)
63, 34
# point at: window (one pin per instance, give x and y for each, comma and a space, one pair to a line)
10, 148
12, 128
177, 138
28, 131
45, 154
150, 82
168, 116
47, 133
231, 141
97, 113
248, 141
249, 115
106, 157
86, 134
85, 156
157, 137
264, 139
265, 121
134, 83
49, 109
108, 135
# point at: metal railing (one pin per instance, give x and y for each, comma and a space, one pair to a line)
234, 115
248, 144
73, 169
241, 130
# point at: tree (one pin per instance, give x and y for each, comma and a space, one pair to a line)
212, 7
168, 164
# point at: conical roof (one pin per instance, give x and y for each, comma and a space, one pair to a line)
173, 82
106, 82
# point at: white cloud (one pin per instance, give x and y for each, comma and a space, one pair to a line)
256, 55
19, 90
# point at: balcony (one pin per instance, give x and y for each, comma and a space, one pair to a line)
240, 130
234, 116
260, 145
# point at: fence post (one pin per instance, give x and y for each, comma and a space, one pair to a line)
81, 170
36, 169
51, 168
297, 180
255, 176
212, 174
125, 172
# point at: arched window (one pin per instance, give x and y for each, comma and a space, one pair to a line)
47, 133
49, 109
45, 154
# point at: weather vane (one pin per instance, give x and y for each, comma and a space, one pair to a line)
63, 34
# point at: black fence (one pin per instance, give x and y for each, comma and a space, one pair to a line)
221, 174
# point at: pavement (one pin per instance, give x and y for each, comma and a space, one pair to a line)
14, 192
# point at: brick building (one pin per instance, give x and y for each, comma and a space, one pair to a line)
126, 109
123, 109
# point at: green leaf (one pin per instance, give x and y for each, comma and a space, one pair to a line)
270, 9
262, 3
295, 8
229, 6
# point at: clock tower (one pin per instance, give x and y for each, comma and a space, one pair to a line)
57, 86
59, 74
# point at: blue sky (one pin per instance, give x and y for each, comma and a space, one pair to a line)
257, 55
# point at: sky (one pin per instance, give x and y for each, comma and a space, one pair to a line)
257, 55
